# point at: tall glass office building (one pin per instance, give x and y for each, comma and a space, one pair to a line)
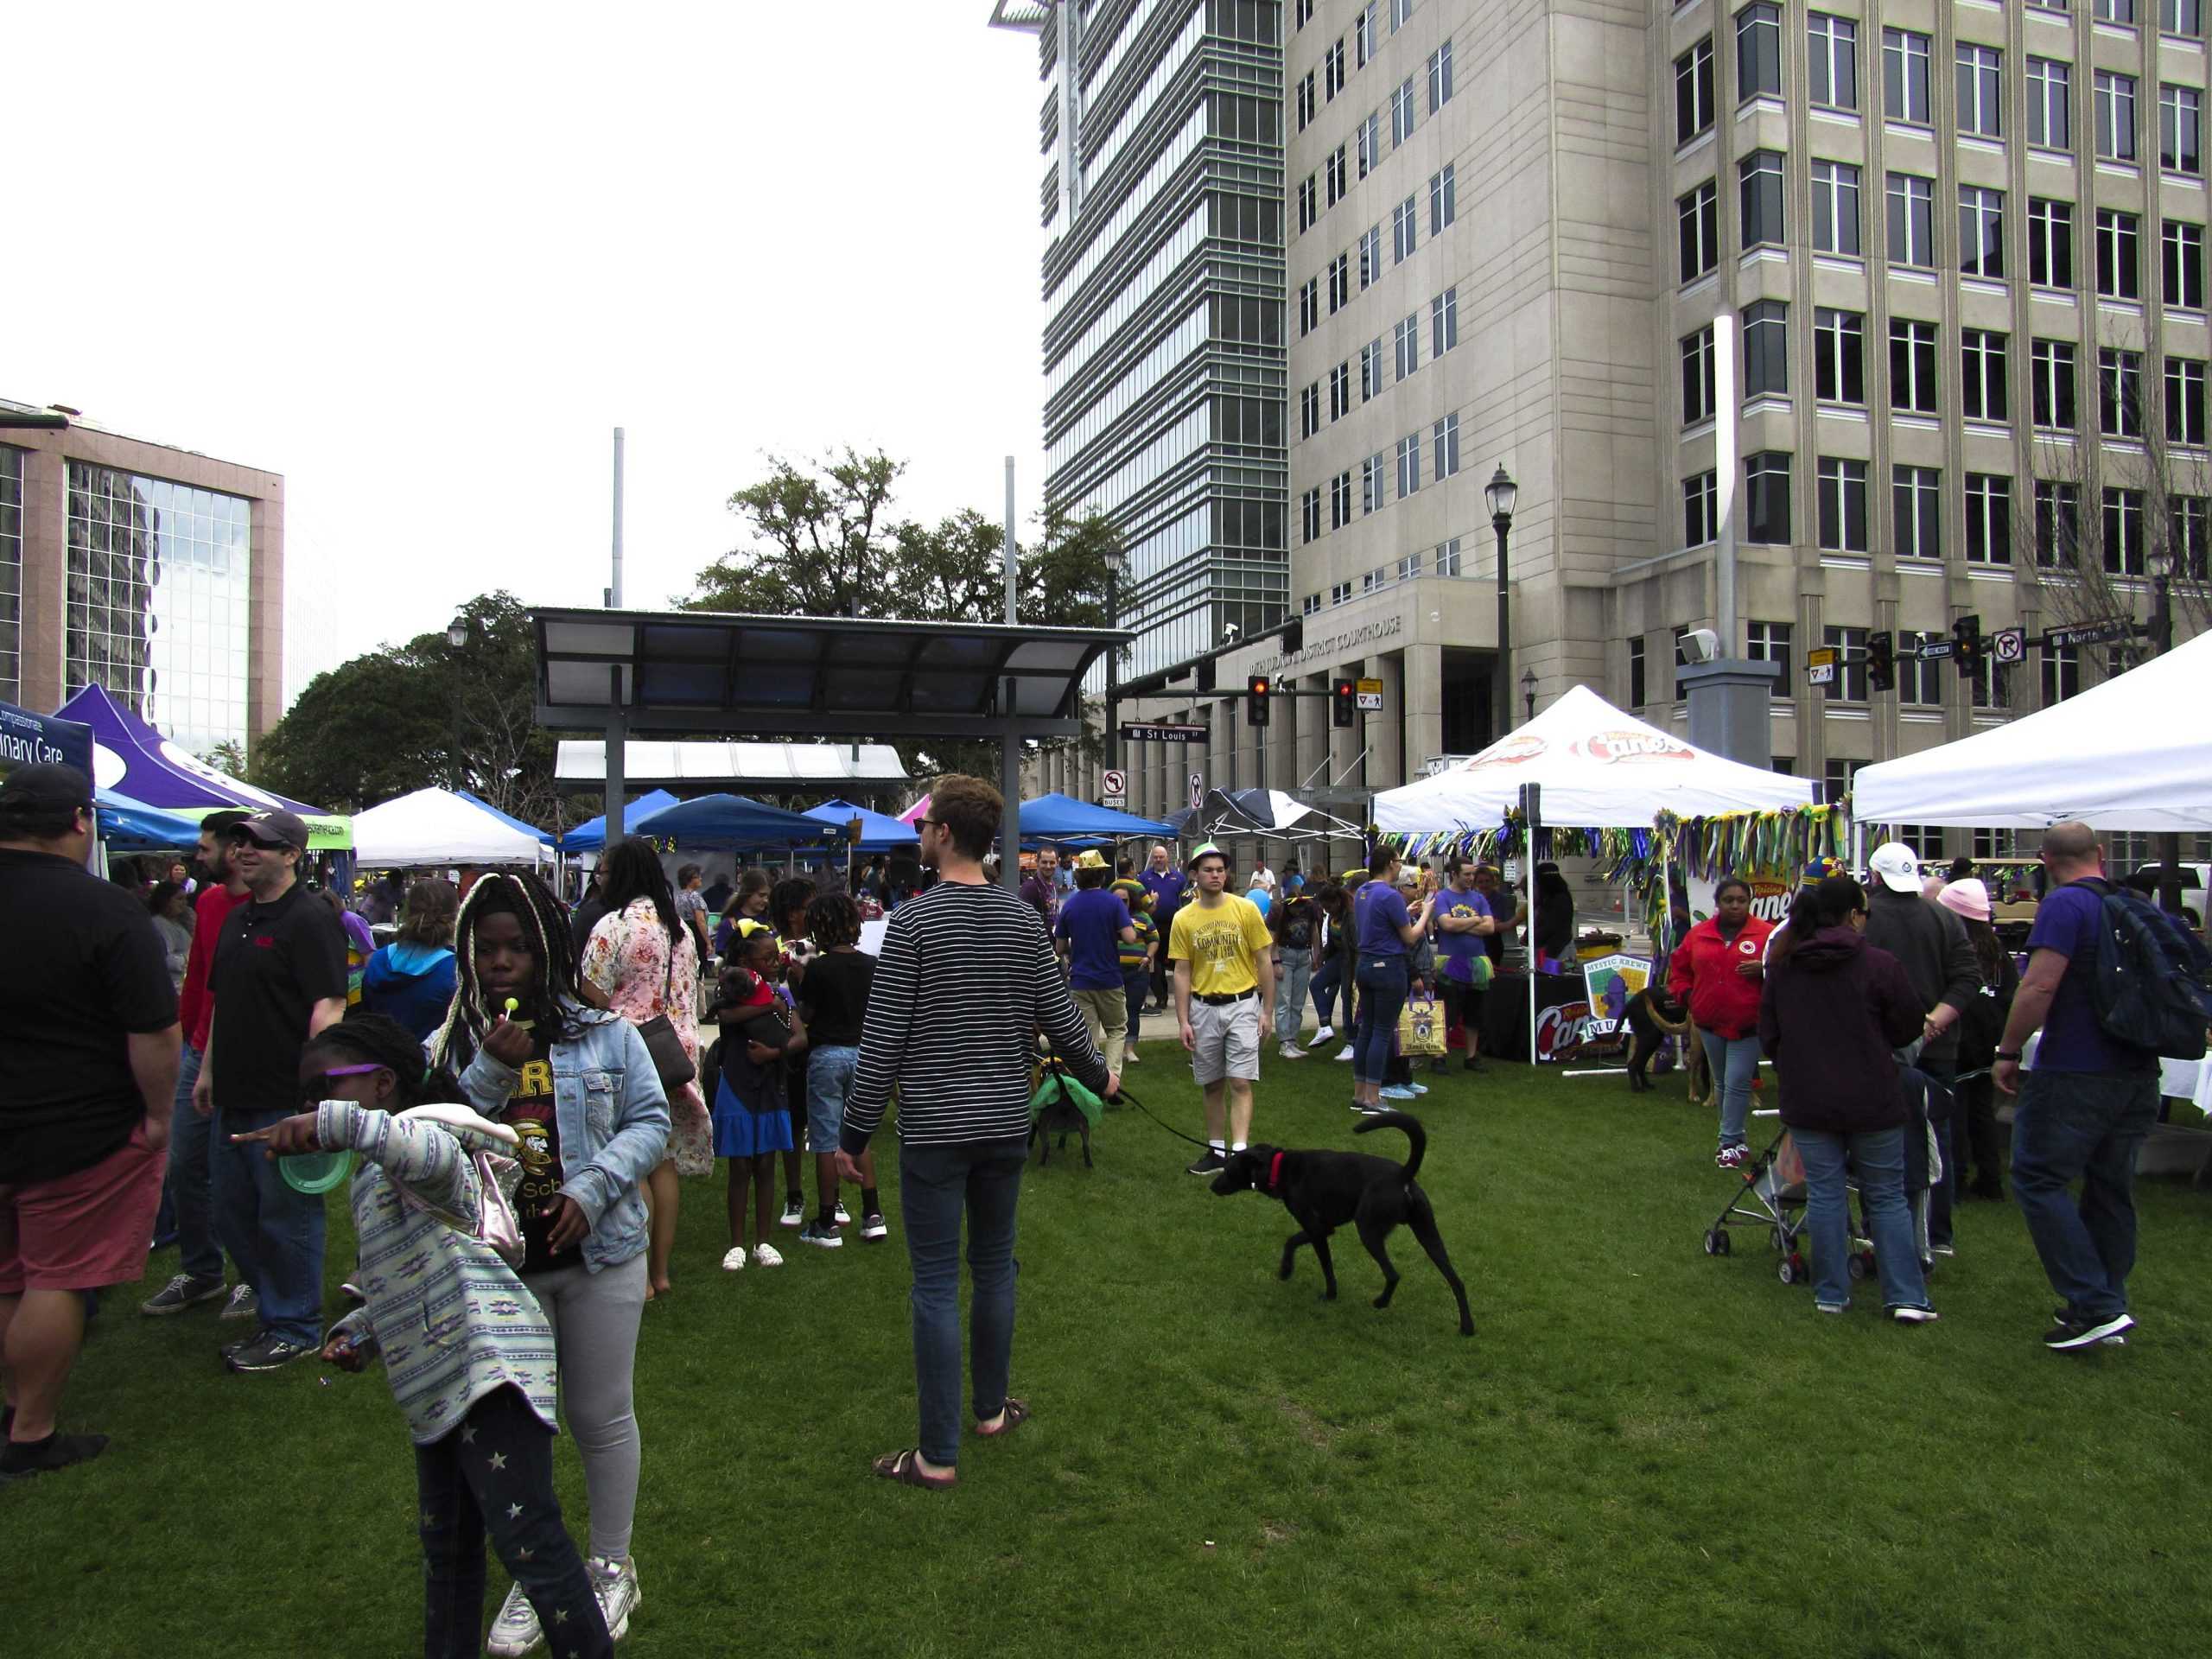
1163, 276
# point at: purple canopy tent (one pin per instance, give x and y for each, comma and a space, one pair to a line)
131, 758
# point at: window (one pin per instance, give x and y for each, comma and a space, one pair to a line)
1760, 174
2051, 382
1400, 11
1981, 231
1849, 685
1981, 380
1916, 512
1697, 378
2115, 116
1693, 91
1443, 199
1309, 306
1766, 497
1368, 143
2182, 17
1990, 688
1405, 230
1980, 94
1697, 218
1310, 604
2119, 393
1912, 365
1912, 220
2062, 673
2119, 275
2115, 11
1363, 35
1371, 475
1769, 642
1335, 171
2058, 523
1402, 112
1448, 558
1758, 51
1309, 514
2124, 532
2185, 401
2050, 85
1766, 347
1332, 70
1339, 282
1303, 15
2190, 534
1832, 47
2181, 129
1916, 682
1309, 409
1406, 339
1638, 686
1340, 501
2183, 244
1371, 370
1444, 322
1439, 78
1370, 256
1989, 519
2050, 243
1308, 211
1700, 509
1835, 208
1307, 104
1839, 356
1446, 435
1842, 498
1340, 391
1408, 464
1904, 75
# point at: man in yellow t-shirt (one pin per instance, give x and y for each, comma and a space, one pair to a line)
1224, 999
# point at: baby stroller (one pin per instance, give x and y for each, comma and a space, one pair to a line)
1770, 1195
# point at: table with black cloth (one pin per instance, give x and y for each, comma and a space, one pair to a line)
1506, 1009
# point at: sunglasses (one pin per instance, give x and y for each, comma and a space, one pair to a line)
313, 1090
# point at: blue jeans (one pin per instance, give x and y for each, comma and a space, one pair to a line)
2078, 1125
937, 1186
198, 1254
1383, 984
274, 1234
1290, 996
1135, 982
1325, 988
1878, 1158
1733, 1061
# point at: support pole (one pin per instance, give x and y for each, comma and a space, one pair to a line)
1010, 742
618, 727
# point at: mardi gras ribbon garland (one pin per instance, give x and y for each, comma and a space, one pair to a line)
1743, 843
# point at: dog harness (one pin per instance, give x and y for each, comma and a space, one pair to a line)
1274, 1174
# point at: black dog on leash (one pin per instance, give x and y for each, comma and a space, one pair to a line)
1652, 1018
1325, 1190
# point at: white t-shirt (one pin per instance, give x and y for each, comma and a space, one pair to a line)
1264, 877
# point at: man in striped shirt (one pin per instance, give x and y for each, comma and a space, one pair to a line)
966, 978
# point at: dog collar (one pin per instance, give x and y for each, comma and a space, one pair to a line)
1274, 1174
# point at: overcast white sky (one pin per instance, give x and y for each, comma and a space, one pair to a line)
422, 260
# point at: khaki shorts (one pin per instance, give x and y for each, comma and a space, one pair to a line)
1226, 1040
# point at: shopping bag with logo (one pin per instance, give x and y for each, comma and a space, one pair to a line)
1420, 1027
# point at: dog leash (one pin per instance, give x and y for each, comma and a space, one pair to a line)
1052, 1065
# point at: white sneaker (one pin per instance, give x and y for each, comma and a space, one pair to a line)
615, 1585
1346, 1054
734, 1259
766, 1256
1291, 1051
515, 1631
1323, 1036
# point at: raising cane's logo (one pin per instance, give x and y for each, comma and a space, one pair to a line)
1612, 748
1508, 751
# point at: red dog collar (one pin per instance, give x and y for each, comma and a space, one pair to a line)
1274, 1174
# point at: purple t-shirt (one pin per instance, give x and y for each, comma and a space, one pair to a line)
2068, 921
1168, 889
1379, 910
1460, 949
1092, 922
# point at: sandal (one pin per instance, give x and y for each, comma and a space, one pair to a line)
1017, 1414
906, 1468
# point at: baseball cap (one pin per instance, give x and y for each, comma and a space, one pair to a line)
271, 828
1893, 862
1968, 898
1205, 849
46, 788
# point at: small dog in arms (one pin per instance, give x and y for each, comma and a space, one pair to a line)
1325, 1190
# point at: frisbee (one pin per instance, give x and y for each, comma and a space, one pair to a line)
315, 1172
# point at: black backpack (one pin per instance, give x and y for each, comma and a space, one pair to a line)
1298, 928
2152, 987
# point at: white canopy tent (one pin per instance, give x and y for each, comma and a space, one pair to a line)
434, 827
2133, 754
1599, 769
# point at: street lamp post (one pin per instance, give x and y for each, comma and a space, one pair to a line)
457, 631
2162, 641
1500, 493
1529, 691
1114, 557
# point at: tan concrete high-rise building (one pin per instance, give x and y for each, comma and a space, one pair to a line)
1809, 324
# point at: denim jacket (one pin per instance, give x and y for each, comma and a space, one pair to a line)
612, 1114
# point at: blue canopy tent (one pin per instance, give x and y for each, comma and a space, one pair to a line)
507, 818
878, 833
733, 821
128, 826
1061, 819
591, 835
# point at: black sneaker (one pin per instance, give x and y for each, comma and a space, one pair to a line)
872, 1226
1440, 1066
269, 1353
1473, 1063
241, 1344
1212, 1164
816, 1232
2067, 1335
21, 1462
182, 1292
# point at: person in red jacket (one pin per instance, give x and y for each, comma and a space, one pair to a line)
1717, 970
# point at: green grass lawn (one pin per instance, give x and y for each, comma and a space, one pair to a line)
1643, 1450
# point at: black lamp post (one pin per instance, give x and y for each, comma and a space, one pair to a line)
1114, 559
2162, 641
457, 633
1529, 691
1500, 493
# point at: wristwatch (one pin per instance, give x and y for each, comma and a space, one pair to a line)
2001, 1055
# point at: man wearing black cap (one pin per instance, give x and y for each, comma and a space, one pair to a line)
280, 977
88, 1023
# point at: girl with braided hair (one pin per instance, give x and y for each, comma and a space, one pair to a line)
579, 1088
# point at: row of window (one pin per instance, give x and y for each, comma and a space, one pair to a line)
1309, 98
1443, 560
1444, 335
1984, 245
1978, 107
1839, 374
1917, 682
1375, 477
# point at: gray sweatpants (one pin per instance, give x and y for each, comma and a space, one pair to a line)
595, 1319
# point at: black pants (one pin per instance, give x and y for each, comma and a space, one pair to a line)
494, 1473
1463, 1006
1975, 1135
1941, 1113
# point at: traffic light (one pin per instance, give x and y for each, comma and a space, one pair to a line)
1344, 703
1293, 636
1205, 676
1255, 700
1966, 640
1882, 662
